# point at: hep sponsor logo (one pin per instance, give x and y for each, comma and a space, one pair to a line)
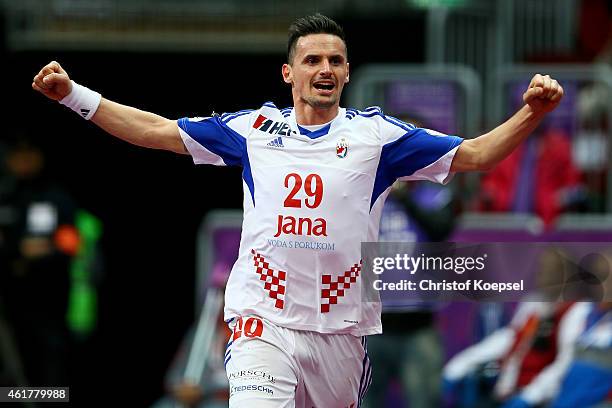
252, 375
274, 128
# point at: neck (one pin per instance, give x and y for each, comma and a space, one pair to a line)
306, 114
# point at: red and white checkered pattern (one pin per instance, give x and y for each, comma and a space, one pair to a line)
332, 290
274, 280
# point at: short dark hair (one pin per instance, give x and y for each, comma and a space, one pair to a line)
315, 24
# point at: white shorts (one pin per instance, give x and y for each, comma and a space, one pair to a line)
272, 366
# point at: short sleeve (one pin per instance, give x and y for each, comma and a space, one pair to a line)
218, 140
411, 153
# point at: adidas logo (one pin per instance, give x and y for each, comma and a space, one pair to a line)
84, 112
277, 142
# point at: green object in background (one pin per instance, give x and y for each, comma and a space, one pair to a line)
82, 300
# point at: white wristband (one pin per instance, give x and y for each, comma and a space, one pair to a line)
82, 100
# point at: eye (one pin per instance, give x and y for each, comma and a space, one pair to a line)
311, 59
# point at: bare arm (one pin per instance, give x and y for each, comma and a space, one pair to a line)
130, 124
139, 127
484, 152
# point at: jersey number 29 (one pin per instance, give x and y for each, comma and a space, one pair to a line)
313, 187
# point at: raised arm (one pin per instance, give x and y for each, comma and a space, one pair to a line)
130, 124
484, 152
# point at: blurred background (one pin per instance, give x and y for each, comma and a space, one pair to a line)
105, 258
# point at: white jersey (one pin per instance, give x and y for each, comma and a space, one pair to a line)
310, 199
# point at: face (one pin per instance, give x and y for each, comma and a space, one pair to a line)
318, 71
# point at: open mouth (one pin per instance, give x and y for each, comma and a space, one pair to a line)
324, 86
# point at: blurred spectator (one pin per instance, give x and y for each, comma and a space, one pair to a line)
211, 391
591, 143
532, 352
197, 377
86, 270
410, 348
538, 177
38, 245
595, 29
591, 149
11, 367
588, 382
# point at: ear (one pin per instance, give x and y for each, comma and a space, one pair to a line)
287, 74
347, 72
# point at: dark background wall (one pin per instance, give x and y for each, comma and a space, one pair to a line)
151, 202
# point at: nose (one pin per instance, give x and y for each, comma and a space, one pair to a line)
325, 68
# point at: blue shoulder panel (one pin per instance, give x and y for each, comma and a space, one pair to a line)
413, 151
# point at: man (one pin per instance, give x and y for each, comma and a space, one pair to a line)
588, 380
411, 351
41, 241
315, 178
531, 353
539, 177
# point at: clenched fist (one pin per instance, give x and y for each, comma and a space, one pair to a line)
52, 81
543, 94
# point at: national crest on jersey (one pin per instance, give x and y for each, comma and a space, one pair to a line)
342, 148
311, 197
